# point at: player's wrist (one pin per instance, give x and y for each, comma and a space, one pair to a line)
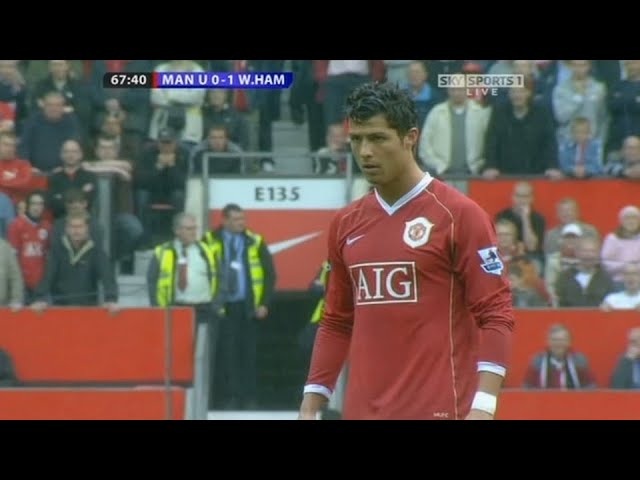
485, 402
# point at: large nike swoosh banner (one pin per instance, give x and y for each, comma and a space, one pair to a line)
293, 214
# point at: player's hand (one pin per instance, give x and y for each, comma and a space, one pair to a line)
308, 415
479, 415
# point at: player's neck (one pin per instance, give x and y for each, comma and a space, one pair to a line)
393, 191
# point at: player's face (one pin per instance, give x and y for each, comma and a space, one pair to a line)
381, 154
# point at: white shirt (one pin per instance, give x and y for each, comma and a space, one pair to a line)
198, 286
584, 278
338, 67
622, 300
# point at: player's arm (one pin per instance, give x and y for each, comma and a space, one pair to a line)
488, 297
334, 333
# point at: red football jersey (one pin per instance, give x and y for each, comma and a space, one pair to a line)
31, 241
412, 288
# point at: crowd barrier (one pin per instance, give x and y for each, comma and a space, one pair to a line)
576, 405
69, 403
602, 337
78, 363
600, 200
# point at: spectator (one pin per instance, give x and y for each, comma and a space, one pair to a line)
7, 214
72, 175
76, 204
396, 70
303, 99
30, 236
13, 93
76, 268
218, 111
629, 297
11, 283
73, 90
509, 247
416, 82
15, 173
559, 367
562, 260
178, 108
524, 295
581, 156
45, 131
520, 139
452, 139
581, 96
131, 105
586, 284
628, 166
110, 127
161, 177
217, 142
626, 375
7, 118
36, 70
567, 212
531, 224
339, 77
624, 106
442, 67
622, 246
106, 160
332, 158
267, 103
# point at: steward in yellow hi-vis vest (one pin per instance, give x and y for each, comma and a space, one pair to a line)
320, 283
318, 287
250, 280
185, 271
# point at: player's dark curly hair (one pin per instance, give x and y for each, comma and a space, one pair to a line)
388, 99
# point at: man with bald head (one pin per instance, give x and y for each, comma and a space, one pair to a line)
531, 224
629, 165
626, 375
629, 297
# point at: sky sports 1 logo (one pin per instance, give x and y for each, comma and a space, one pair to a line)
480, 84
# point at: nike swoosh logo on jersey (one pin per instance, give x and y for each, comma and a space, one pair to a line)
351, 241
292, 242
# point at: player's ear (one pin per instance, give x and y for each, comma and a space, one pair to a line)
411, 138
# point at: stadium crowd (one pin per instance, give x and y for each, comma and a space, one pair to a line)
60, 129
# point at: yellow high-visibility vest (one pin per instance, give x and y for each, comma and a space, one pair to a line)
324, 279
256, 271
167, 260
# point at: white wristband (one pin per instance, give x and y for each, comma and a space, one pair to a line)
485, 402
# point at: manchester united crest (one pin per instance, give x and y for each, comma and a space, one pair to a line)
417, 231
